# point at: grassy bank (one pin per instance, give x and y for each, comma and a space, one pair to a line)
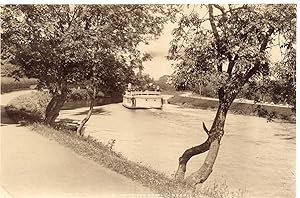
104, 155
10, 84
269, 112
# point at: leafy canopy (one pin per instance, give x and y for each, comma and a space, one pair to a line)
72, 43
231, 45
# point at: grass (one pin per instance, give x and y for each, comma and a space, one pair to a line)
104, 155
30, 106
10, 84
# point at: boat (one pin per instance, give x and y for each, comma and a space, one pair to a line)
148, 99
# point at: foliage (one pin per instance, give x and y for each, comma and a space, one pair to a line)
9, 84
272, 91
165, 83
81, 94
141, 81
235, 49
284, 84
63, 45
29, 107
55, 43
8, 69
78, 95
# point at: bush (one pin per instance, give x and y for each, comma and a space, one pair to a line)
82, 95
8, 69
78, 95
10, 84
31, 107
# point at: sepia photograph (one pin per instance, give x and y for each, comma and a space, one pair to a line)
148, 100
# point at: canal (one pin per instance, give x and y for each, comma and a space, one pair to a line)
255, 155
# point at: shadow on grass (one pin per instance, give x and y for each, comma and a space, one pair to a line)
66, 123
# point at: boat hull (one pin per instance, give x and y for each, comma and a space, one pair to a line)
143, 102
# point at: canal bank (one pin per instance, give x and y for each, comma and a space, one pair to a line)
239, 106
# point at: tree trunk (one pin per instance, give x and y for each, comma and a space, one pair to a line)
212, 144
206, 169
200, 90
54, 106
80, 130
188, 154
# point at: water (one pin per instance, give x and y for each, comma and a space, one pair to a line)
255, 155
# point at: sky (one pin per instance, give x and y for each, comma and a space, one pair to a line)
159, 65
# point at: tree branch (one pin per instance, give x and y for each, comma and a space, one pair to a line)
221, 47
231, 64
186, 156
222, 10
73, 18
205, 129
258, 63
213, 25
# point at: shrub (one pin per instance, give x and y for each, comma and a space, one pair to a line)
78, 95
29, 107
8, 69
10, 84
81, 95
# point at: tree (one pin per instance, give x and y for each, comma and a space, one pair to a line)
110, 76
165, 83
231, 48
66, 44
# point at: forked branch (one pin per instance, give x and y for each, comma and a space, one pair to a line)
205, 129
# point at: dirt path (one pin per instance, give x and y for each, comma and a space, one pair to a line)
33, 166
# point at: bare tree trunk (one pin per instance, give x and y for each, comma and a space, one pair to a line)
54, 106
200, 90
206, 169
87, 117
51, 110
188, 154
211, 144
